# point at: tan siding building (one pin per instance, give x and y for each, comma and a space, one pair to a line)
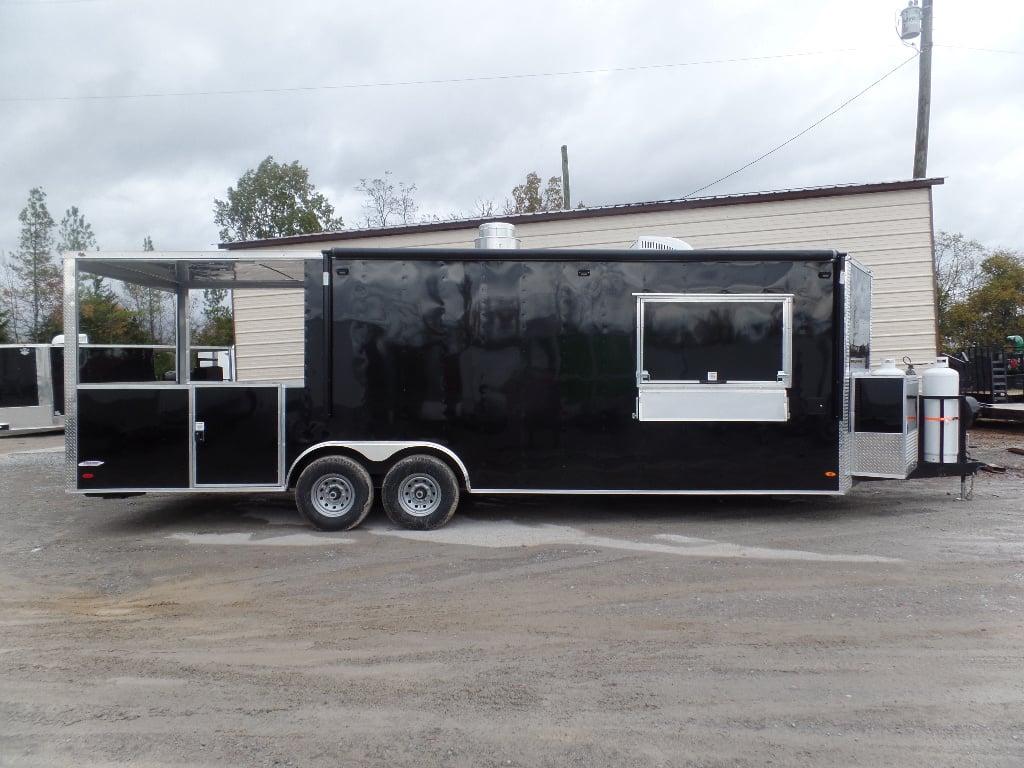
887, 227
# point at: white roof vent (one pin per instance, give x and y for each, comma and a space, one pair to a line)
58, 340
497, 234
648, 243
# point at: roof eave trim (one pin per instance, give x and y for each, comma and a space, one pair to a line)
657, 206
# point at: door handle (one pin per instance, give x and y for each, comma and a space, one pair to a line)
201, 431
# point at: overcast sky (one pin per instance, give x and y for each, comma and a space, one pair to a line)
142, 112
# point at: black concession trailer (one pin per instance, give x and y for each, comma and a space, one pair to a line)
430, 373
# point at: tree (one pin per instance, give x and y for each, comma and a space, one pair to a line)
151, 306
8, 303
6, 313
528, 197
484, 208
37, 276
995, 307
957, 261
75, 234
384, 204
275, 200
104, 319
219, 328
101, 315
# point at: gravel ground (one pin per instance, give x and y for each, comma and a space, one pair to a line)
999, 444
884, 628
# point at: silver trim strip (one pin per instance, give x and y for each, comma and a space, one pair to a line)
481, 491
162, 385
153, 385
70, 372
593, 492
381, 450
847, 459
193, 453
281, 433
199, 489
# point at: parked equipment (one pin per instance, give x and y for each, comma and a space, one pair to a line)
430, 373
29, 400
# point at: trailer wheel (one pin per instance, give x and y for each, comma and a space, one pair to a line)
334, 493
420, 492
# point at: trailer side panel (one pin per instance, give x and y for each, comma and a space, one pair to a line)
527, 369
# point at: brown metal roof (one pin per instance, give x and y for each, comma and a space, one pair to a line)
587, 213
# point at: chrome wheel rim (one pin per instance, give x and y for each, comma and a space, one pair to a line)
419, 495
333, 495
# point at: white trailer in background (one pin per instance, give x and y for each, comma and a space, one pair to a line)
31, 388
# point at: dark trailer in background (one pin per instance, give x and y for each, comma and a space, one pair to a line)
430, 373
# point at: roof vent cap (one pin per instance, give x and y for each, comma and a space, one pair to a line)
497, 234
649, 243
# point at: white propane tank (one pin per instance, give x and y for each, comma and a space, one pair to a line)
888, 368
940, 389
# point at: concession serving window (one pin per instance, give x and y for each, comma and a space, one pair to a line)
713, 357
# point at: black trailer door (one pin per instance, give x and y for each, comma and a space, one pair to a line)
132, 437
237, 435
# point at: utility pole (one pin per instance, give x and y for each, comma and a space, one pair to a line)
924, 92
565, 177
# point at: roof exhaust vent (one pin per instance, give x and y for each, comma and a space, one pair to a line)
497, 234
648, 243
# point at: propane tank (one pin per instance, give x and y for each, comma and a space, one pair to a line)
940, 390
888, 368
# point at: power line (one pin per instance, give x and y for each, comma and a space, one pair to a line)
47, 2
805, 130
405, 83
984, 50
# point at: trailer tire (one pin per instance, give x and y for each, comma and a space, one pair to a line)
334, 493
420, 493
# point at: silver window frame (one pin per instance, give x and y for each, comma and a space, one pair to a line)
785, 299
714, 401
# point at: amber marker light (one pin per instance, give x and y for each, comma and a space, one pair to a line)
831, 474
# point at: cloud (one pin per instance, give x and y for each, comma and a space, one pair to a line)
637, 130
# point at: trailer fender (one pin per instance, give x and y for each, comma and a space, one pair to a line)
375, 452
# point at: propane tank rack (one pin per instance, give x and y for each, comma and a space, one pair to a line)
946, 415
963, 416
